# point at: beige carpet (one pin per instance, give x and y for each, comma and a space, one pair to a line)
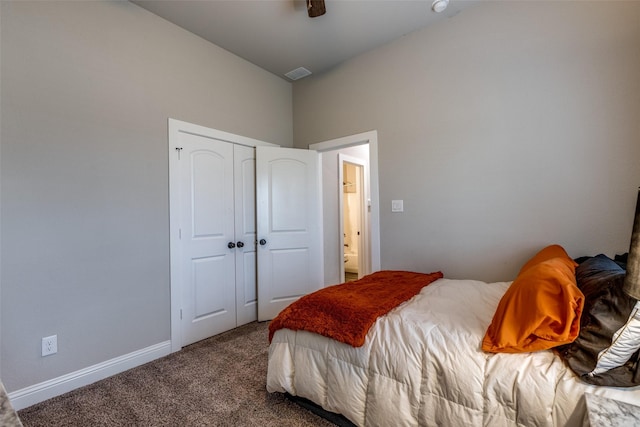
216, 382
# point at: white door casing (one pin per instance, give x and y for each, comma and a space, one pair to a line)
289, 218
373, 204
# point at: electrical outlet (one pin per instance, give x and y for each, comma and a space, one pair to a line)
49, 345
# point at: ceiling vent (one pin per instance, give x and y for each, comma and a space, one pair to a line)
298, 73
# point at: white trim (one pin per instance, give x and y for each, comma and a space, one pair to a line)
340, 253
31, 395
176, 127
186, 127
371, 138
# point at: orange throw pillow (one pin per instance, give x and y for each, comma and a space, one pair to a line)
541, 309
550, 252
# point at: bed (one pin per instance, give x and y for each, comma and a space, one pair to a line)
422, 363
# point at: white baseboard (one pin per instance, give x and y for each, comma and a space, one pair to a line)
31, 395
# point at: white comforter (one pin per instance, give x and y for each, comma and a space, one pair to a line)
422, 365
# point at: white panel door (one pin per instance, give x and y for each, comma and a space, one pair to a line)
207, 228
289, 217
245, 234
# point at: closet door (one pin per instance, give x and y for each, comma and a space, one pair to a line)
207, 237
289, 214
215, 284
245, 232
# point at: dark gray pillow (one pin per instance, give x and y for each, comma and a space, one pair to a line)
606, 309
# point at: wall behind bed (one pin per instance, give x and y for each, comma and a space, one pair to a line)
504, 128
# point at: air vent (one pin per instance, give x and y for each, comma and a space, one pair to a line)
298, 73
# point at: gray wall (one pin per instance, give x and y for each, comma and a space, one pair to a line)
505, 128
87, 88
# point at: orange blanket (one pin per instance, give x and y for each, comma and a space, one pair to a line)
346, 312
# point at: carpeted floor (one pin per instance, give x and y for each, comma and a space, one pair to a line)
216, 382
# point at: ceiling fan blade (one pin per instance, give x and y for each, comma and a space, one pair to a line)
315, 8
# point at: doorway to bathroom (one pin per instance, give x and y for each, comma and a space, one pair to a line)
352, 216
364, 148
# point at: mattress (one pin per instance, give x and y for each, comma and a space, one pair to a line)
422, 364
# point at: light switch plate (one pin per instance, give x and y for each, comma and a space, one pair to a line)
397, 206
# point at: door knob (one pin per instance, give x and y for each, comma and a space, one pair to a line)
231, 245
262, 242
240, 244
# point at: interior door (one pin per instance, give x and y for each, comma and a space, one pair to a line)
208, 261
245, 233
289, 218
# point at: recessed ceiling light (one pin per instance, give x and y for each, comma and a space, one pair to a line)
439, 5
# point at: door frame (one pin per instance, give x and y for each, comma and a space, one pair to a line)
363, 239
371, 138
176, 127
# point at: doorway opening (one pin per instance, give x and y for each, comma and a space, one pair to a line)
353, 217
361, 150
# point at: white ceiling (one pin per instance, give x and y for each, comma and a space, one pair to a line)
278, 35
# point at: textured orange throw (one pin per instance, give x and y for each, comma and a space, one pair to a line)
346, 312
